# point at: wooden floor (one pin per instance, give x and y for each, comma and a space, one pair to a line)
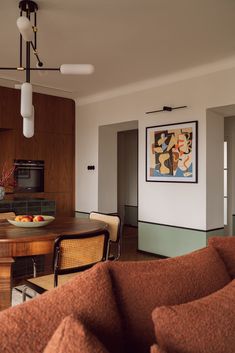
130, 246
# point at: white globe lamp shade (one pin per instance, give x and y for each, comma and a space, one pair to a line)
26, 100
76, 69
25, 28
28, 125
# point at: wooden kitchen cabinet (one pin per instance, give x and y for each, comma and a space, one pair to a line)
53, 142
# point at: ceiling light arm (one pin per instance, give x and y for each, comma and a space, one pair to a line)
40, 63
31, 68
44, 69
21, 54
34, 45
12, 68
66, 69
28, 54
27, 62
21, 44
35, 30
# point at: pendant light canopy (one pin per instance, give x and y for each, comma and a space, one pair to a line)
28, 33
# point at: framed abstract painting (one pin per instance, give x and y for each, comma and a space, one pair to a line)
171, 152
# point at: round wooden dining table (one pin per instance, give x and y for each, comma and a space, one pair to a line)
17, 241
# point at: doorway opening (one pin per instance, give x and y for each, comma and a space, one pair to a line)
224, 120
127, 145
118, 179
229, 172
108, 173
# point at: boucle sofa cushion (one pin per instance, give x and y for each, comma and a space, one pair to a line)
141, 286
226, 249
72, 337
206, 325
28, 327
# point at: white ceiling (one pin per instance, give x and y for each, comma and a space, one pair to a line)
126, 40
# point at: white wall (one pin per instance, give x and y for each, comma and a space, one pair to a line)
167, 203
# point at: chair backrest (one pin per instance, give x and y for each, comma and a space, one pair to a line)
7, 215
77, 252
114, 224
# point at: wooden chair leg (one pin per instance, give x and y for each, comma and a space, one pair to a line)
5, 282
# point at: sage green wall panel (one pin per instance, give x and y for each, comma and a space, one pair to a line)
169, 241
214, 233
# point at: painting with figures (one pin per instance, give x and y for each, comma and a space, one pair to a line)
171, 152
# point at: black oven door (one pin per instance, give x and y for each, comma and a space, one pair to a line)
29, 178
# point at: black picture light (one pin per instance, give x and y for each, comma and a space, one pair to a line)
166, 109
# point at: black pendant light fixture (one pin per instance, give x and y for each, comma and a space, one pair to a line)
28, 34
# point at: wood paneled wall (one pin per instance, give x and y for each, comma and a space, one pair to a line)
53, 142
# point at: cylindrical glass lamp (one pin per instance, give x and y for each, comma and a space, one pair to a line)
26, 100
25, 27
76, 69
28, 125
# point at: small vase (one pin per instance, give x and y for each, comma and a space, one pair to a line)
2, 192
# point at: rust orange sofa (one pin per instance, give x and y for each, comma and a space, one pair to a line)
109, 308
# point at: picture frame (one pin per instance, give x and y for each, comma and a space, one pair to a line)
172, 153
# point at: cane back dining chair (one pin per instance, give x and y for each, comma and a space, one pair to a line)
73, 253
115, 232
6, 215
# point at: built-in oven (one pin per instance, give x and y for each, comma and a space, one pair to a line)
28, 176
